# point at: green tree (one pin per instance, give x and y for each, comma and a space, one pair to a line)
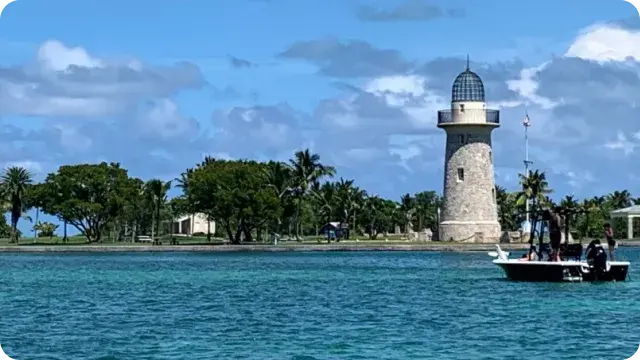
325, 197
87, 196
156, 191
46, 229
279, 178
426, 207
509, 213
534, 188
15, 182
307, 169
408, 209
236, 195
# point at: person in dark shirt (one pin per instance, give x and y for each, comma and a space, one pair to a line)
555, 233
608, 234
590, 252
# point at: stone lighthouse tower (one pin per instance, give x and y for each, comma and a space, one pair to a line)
470, 211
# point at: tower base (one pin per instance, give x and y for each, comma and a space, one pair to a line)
470, 231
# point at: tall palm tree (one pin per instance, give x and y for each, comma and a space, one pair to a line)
408, 208
279, 179
535, 188
569, 203
157, 192
325, 196
507, 208
183, 183
345, 194
307, 168
620, 199
14, 183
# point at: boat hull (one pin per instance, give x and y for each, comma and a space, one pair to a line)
546, 271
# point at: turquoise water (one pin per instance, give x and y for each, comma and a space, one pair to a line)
367, 305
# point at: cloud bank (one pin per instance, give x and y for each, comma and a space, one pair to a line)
68, 105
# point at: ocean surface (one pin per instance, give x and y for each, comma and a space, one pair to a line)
339, 305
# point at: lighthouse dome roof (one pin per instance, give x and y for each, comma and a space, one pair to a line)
467, 87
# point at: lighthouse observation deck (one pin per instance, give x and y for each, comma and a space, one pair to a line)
468, 117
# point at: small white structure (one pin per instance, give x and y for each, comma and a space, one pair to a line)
629, 213
191, 224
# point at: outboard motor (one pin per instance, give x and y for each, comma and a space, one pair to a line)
599, 263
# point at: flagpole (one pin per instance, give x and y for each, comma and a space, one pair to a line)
526, 124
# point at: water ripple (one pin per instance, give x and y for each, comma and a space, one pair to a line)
396, 305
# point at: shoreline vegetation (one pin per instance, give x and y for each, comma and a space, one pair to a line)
297, 247
78, 244
249, 204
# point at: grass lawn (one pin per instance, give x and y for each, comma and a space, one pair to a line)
202, 241
307, 241
81, 240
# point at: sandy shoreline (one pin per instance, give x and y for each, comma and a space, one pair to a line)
437, 247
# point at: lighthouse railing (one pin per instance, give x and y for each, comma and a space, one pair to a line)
489, 116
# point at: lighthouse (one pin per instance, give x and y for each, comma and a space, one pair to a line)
470, 211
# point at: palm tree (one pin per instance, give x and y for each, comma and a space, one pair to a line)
279, 179
620, 199
306, 170
507, 208
326, 196
345, 190
157, 192
569, 203
14, 183
183, 183
408, 208
535, 188
373, 206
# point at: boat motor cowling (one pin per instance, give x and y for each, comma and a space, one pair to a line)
599, 260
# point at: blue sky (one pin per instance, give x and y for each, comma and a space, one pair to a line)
159, 87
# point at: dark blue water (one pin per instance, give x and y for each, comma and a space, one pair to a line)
391, 305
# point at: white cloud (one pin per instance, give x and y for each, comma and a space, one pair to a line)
606, 43
69, 82
579, 180
162, 118
526, 86
622, 143
382, 132
55, 56
412, 95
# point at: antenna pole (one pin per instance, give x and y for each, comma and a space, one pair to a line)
526, 124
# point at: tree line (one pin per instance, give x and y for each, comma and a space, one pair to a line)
250, 200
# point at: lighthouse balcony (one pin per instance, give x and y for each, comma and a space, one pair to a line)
469, 117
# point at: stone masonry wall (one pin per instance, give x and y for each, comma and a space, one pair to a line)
473, 232
470, 204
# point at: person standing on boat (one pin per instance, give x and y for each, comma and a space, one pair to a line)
555, 233
608, 234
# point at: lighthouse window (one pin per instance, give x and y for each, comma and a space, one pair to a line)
461, 138
461, 107
460, 174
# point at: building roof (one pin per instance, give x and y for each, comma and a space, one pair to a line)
631, 210
467, 87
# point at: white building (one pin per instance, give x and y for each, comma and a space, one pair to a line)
470, 211
191, 224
